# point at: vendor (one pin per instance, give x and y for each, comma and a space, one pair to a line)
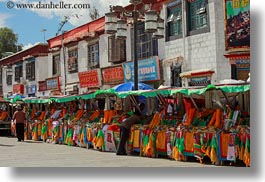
126, 126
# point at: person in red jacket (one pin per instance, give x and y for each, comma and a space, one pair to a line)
20, 118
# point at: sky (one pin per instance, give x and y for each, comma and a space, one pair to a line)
28, 23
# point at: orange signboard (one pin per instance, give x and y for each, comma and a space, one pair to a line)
89, 79
113, 75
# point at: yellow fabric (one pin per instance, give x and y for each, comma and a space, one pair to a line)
161, 140
136, 139
213, 155
100, 142
246, 157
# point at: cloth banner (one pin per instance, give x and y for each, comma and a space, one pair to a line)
109, 141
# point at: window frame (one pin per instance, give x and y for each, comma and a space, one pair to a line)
150, 43
30, 71
116, 50
172, 9
72, 68
56, 65
200, 29
18, 73
90, 54
9, 79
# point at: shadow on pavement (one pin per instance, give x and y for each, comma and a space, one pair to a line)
2, 145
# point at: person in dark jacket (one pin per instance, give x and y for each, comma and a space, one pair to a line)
125, 128
20, 118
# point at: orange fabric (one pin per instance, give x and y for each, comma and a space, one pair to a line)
188, 141
190, 116
224, 143
218, 122
79, 114
39, 129
94, 115
212, 121
60, 131
50, 127
161, 140
42, 115
156, 120
3, 115
89, 135
33, 113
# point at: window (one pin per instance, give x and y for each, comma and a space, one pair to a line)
73, 61
9, 80
176, 79
174, 20
93, 56
146, 46
56, 65
198, 18
30, 71
117, 50
18, 73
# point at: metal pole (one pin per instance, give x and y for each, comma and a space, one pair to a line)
135, 49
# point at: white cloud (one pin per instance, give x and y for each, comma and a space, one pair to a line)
3, 19
101, 5
29, 45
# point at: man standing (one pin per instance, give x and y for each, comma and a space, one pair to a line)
126, 126
20, 118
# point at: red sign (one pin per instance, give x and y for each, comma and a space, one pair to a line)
89, 79
113, 75
42, 86
18, 89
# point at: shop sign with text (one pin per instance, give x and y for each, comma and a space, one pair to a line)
89, 79
148, 70
112, 75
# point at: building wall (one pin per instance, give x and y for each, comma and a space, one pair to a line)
202, 51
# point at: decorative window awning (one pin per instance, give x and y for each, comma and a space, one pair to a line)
172, 61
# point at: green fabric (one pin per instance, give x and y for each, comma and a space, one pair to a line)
213, 142
44, 129
247, 144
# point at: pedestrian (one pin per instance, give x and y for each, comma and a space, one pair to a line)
126, 126
20, 118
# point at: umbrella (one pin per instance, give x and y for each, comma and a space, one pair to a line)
128, 86
16, 97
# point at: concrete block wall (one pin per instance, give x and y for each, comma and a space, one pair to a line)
202, 51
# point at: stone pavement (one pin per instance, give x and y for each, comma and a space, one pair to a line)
39, 154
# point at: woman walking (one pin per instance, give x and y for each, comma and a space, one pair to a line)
20, 118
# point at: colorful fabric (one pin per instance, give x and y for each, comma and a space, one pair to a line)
161, 143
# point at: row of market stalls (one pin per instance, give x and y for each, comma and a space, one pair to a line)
204, 123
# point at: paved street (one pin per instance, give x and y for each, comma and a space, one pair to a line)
39, 154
